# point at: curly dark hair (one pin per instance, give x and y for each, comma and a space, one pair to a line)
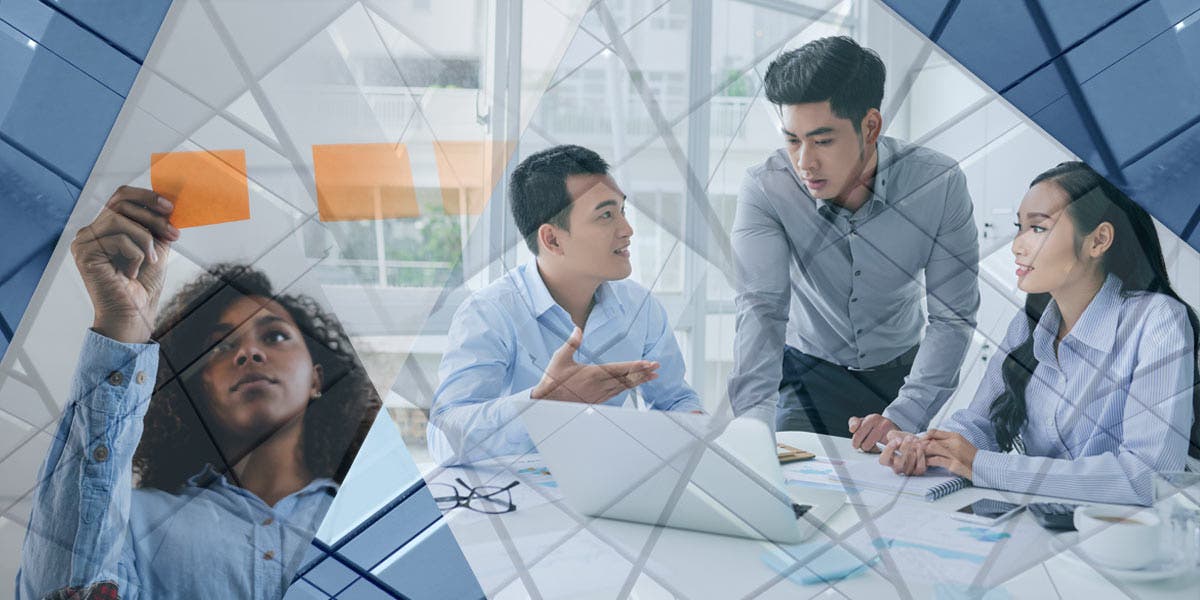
178, 440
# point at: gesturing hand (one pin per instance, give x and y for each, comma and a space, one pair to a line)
950, 451
121, 256
568, 380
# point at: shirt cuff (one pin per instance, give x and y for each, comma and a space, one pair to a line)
988, 469
691, 403
762, 412
110, 372
509, 412
895, 412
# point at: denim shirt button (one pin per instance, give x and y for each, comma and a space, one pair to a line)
116, 378
100, 454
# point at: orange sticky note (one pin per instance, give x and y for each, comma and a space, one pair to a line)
364, 181
469, 171
207, 187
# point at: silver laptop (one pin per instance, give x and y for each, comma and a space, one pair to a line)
680, 470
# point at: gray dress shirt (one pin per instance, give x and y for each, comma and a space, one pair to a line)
847, 287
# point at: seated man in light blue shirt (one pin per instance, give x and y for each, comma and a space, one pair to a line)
568, 326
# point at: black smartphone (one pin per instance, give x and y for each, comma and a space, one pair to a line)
987, 511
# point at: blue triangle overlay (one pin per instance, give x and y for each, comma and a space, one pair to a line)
73, 63
67, 67
1116, 82
1091, 73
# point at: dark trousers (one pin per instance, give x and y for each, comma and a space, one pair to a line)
819, 396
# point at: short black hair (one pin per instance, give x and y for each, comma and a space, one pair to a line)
538, 188
836, 69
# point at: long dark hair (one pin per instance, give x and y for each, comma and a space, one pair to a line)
1135, 257
177, 441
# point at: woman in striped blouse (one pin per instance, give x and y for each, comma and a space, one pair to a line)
1095, 390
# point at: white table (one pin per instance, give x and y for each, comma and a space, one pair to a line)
544, 549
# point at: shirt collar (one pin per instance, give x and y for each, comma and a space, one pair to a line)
1096, 328
884, 170
536, 290
541, 300
209, 477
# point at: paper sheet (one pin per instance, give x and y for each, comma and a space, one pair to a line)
929, 545
870, 475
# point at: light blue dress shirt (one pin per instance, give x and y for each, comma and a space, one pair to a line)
1109, 410
212, 540
501, 341
848, 287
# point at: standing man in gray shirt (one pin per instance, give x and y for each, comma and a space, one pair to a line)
838, 237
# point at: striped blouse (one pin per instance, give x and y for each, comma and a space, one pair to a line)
1109, 410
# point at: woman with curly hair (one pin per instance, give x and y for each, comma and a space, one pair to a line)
210, 478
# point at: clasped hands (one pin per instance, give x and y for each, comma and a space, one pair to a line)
910, 454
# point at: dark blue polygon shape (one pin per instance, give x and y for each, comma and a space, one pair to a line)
331, 576
62, 36
1102, 47
365, 590
432, 567
51, 110
34, 206
65, 67
312, 556
393, 530
1149, 93
18, 289
922, 15
34, 210
1072, 20
1166, 183
999, 45
128, 24
303, 590
1123, 95
1037, 91
1106, 46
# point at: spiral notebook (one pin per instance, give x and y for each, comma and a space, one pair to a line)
870, 475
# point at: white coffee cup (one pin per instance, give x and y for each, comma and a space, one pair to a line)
1120, 537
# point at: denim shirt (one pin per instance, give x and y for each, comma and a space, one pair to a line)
503, 337
211, 540
1104, 413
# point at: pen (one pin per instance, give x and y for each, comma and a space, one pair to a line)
882, 446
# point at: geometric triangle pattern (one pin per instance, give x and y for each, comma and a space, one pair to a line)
1069, 67
670, 94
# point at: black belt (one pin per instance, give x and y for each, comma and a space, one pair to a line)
904, 360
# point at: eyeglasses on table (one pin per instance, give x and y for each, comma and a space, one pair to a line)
487, 499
